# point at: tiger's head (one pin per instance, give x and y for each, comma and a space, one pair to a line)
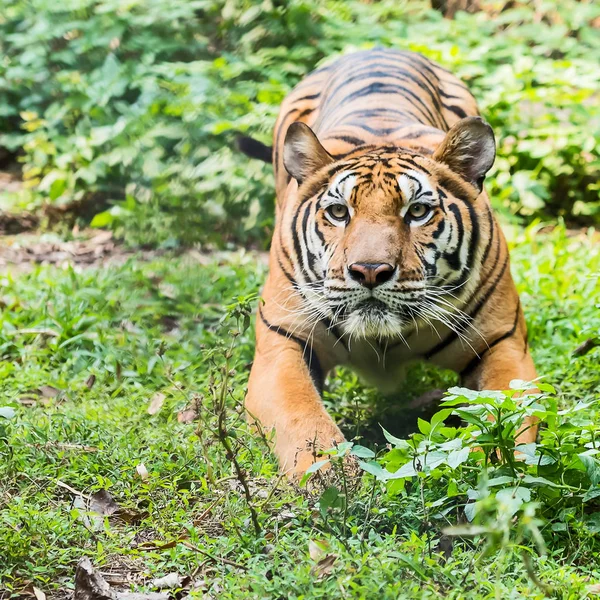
386, 237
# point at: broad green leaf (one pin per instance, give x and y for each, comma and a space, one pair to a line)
513, 497
7, 412
397, 442
375, 469
592, 522
102, 219
470, 510
362, 452
316, 466
458, 457
407, 470
541, 481
330, 498
424, 426
433, 459
592, 493
592, 467
452, 489
440, 417
500, 480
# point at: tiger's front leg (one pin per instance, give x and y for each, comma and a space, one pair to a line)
283, 398
510, 359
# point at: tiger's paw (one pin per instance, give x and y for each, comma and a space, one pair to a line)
341, 472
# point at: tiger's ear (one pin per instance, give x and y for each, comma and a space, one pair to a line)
303, 154
469, 149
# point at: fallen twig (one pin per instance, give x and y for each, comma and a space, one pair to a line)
64, 446
72, 490
586, 347
217, 559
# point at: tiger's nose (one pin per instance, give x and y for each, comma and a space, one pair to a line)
370, 275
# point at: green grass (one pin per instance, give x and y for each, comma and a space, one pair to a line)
147, 327
110, 103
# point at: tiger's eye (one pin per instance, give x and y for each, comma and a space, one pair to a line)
339, 212
419, 210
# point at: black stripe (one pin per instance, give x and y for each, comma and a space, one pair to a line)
382, 131
309, 97
334, 330
415, 61
475, 234
288, 275
310, 358
398, 74
404, 159
453, 258
452, 337
388, 88
474, 241
305, 112
319, 233
456, 110
491, 238
420, 190
419, 133
298, 246
461, 191
442, 196
343, 155
286, 254
381, 113
348, 139
475, 361
449, 96
309, 254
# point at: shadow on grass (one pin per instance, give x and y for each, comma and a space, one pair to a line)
361, 412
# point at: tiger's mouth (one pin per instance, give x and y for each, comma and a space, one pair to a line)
373, 318
371, 306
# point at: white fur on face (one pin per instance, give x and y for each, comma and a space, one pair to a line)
414, 184
363, 324
343, 185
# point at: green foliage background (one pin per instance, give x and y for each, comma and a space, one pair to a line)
136, 103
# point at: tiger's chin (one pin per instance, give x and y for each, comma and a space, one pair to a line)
374, 319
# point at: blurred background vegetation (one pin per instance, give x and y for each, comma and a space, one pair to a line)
123, 114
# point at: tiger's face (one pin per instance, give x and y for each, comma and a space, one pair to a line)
388, 238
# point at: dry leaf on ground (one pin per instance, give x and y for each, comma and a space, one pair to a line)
156, 403
90, 585
172, 580
187, 416
95, 508
142, 471
594, 589
317, 549
48, 391
324, 566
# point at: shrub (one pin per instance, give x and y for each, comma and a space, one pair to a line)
133, 106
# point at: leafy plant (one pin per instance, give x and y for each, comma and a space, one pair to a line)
506, 491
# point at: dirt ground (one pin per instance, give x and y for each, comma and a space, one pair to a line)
88, 248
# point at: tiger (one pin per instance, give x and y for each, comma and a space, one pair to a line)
385, 248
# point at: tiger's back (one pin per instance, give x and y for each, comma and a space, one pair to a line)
373, 98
